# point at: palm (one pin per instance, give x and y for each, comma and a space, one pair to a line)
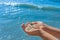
34, 33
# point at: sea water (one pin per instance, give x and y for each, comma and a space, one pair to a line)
12, 15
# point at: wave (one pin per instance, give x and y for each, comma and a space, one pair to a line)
33, 6
30, 6
57, 1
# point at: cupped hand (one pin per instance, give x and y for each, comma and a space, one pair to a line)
37, 28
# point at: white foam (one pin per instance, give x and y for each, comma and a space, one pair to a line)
9, 3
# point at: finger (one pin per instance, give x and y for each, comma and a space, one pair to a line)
27, 23
23, 26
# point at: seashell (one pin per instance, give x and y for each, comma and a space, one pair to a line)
30, 28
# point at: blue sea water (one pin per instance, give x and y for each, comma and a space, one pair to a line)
12, 15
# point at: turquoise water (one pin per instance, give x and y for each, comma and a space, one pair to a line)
13, 15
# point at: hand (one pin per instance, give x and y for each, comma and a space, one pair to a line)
39, 32
38, 26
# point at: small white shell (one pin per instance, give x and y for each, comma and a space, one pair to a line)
30, 28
